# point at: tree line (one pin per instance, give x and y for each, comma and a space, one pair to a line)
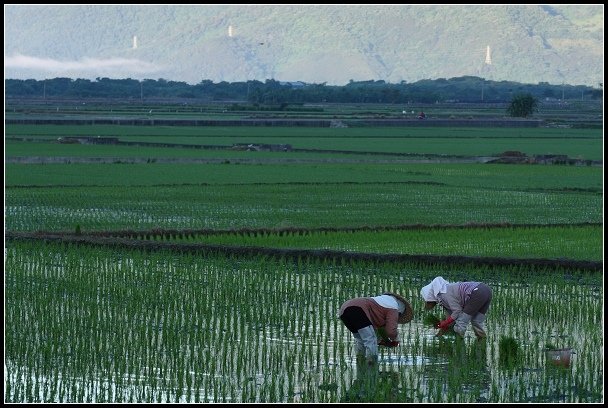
467, 89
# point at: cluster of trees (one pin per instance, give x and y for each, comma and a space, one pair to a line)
522, 105
469, 89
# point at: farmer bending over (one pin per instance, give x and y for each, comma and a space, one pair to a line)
463, 302
363, 315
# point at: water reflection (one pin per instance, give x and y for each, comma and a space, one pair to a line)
373, 385
465, 370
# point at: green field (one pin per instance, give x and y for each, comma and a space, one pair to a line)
575, 143
107, 325
516, 242
91, 318
298, 189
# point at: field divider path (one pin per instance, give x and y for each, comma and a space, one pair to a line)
138, 244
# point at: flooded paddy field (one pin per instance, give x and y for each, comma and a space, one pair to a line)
95, 324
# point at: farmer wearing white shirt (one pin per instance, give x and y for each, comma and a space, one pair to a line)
364, 315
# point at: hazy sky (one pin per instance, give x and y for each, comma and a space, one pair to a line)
94, 65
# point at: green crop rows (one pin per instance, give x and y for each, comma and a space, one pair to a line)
93, 322
106, 325
571, 242
576, 143
288, 205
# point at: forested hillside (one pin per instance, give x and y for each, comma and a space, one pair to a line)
332, 44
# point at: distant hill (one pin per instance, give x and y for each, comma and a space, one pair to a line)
312, 43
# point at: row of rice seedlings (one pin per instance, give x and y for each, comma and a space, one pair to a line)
170, 318
130, 326
558, 312
526, 178
263, 206
571, 242
403, 146
524, 333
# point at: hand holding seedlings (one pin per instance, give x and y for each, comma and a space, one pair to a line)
388, 343
444, 324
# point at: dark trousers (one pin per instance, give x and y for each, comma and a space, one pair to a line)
479, 301
354, 318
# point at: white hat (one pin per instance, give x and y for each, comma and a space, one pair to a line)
429, 292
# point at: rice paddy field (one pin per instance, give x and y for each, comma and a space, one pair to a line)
36, 140
102, 325
220, 282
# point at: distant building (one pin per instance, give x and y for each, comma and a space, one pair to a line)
487, 69
87, 140
295, 84
254, 147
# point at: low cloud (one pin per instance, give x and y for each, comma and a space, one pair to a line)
106, 65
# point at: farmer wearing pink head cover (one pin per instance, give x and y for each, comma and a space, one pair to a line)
463, 302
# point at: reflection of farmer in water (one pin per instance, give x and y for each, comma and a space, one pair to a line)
463, 302
363, 315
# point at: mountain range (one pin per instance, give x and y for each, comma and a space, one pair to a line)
332, 44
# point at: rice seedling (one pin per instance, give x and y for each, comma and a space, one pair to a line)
94, 324
508, 351
431, 320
